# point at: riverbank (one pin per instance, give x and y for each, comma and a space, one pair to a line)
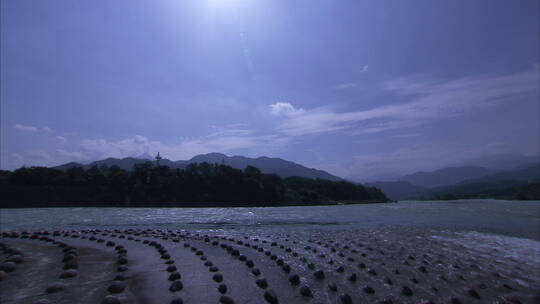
240, 266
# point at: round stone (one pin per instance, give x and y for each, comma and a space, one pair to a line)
174, 276
262, 283
369, 290
332, 286
270, 297
406, 291
116, 287
70, 273
120, 278
319, 275
177, 301
121, 268
222, 288
345, 298
225, 300
256, 272
171, 268
294, 279
17, 259
55, 287
218, 277
71, 265
176, 286
7, 266
306, 292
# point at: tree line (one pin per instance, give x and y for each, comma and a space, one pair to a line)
200, 184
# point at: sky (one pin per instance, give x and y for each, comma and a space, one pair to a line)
365, 90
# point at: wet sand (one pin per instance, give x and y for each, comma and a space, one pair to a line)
243, 266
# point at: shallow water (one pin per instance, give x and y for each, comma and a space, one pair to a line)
513, 218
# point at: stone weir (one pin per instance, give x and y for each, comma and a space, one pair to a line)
166, 266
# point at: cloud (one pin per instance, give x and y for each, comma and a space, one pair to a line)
427, 101
346, 85
406, 135
228, 138
26, 128
61, 138
285, 109
31, 128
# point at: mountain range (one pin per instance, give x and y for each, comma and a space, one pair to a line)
469, 181
268, 165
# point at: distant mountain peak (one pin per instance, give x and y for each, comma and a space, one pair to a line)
268, 165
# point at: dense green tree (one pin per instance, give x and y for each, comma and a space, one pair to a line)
149, 185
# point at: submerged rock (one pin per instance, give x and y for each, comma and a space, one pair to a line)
116, 287
176, 286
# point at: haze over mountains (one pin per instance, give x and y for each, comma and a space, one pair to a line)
267, 165
462, 181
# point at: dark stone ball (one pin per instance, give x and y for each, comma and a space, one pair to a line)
256, 272
319, 275
222, 288
270, 297
174, 276
71, 265
176, 286
332, 286
249, 263
213, 269
218, 277
16, 258
225, 300
306, 292
473, 293
171, 268
345, 298
369, 290
7, 266
122, 261
110, 244
121, 268
70, 273
352, 277
294, 279
406, 291
286, 268
177, 301
116, 287
262, 283
120, 278
55, 287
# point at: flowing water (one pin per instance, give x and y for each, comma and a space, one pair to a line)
513, 218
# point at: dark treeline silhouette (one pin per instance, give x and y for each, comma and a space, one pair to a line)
147, 185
